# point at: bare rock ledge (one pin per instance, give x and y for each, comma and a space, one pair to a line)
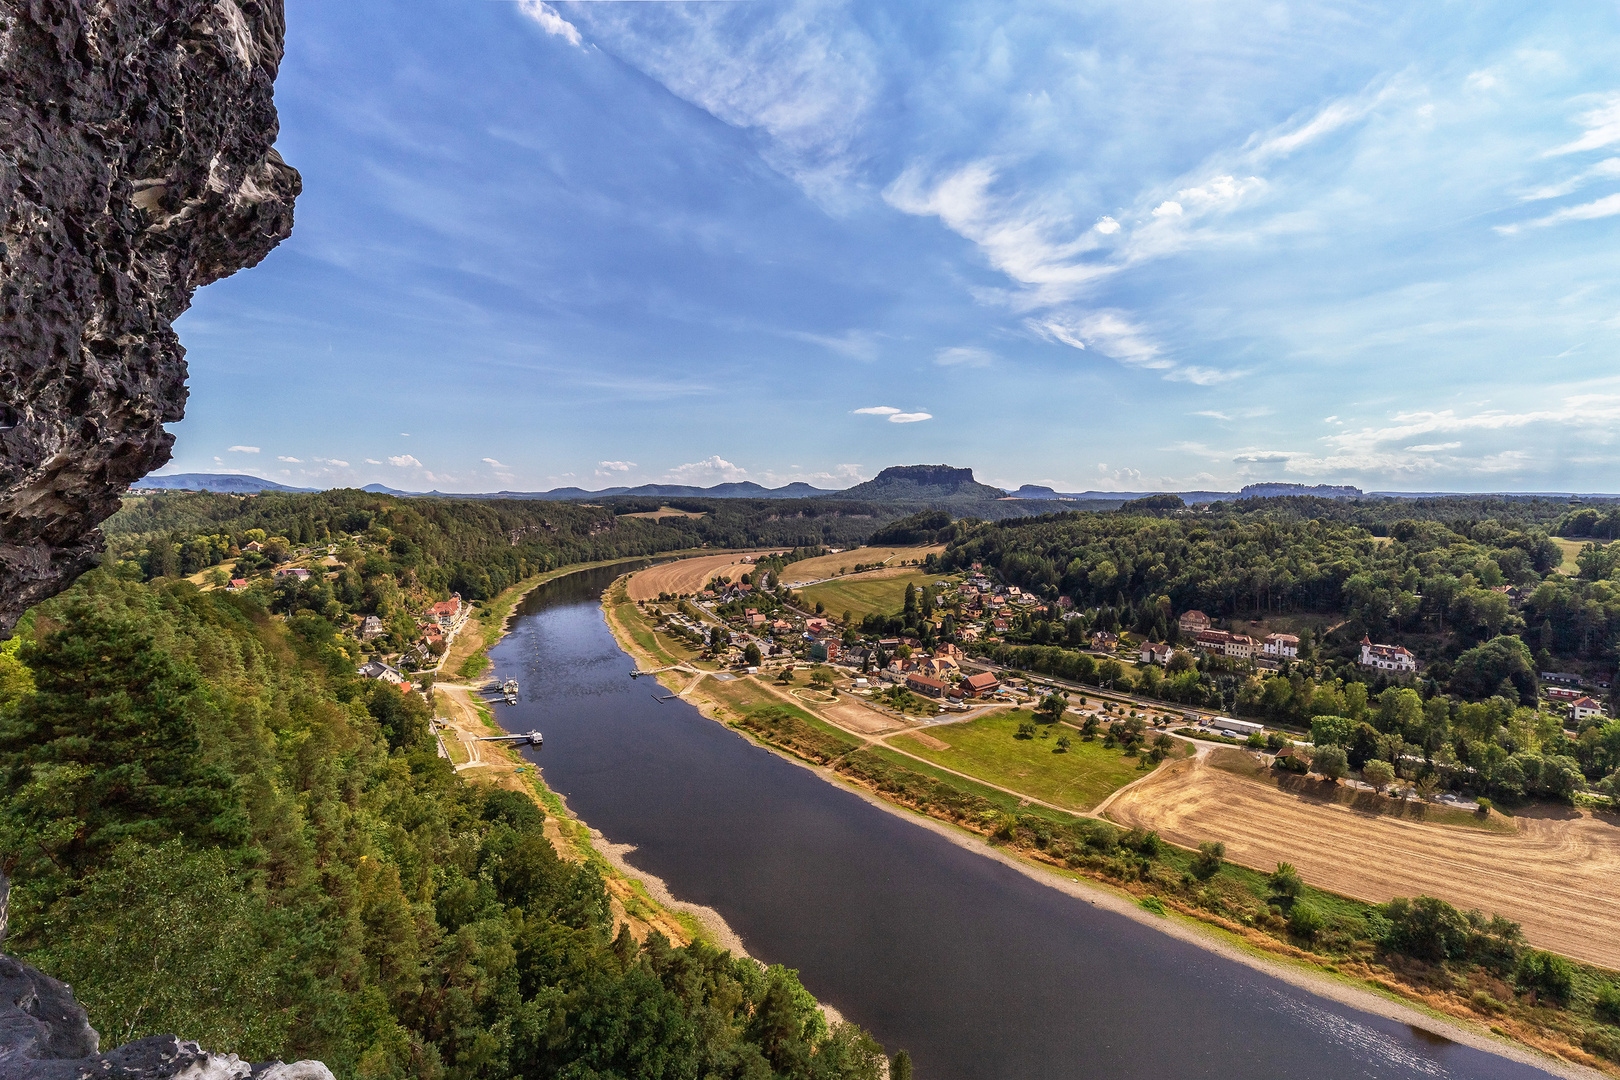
137, 163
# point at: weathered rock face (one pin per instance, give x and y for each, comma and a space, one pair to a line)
136, 164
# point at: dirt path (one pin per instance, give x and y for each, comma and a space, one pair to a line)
1556, 876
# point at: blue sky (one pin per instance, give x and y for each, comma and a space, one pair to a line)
1121, 246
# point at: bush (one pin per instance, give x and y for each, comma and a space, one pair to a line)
1304, 921
1545, 975
1485, 806
1425, 928
1207, 863
1606, 1006
1285, 881
1153, 904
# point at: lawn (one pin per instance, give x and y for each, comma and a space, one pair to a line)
1570, 548
862, 596
989, 749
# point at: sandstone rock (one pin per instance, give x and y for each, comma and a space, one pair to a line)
136, 164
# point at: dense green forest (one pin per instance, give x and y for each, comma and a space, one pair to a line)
215, 828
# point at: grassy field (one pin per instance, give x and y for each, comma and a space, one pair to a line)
988, 748
1570, 548
865, 595
826, 566
664, 648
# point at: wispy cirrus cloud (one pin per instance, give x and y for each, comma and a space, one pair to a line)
242, 450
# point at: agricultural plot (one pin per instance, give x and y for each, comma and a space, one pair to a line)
826, 566
686, 575
1554, 875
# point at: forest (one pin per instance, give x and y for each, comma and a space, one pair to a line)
214, 827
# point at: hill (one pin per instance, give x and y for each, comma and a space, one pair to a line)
229, 483
922, 483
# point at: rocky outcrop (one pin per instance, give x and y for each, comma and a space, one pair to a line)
137, 163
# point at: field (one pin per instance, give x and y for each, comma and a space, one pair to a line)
1570, 548
1555, 875
664, 512
686, 575
876, 592
987, 748
826, 566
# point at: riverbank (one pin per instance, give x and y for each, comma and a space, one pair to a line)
1355, 983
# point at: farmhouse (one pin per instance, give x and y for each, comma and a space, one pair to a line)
1193, 621
237, 585
370, 627
1387, 657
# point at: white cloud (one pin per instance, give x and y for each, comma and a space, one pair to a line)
964, 356
609, 468
1433, 448
1106, 225
1602, 124
242, 450
492, 463
710, 470
405, 461
1168, 208
1110, 333
1263, 457
339, 464
1202, 376
1608, 206
295, 461
551, 22
795, 72
894, 415
1609, 167
372, 461
1286, 138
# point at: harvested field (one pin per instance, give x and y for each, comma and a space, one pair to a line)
1555, 875
687, 575
826, 566
1571, 549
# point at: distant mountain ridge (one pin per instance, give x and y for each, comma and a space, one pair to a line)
227, 483
922, 483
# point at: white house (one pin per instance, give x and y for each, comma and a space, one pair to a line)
1281, 646
1581, 708
1387, 657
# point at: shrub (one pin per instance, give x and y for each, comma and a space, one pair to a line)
1208, 861
1606, 1006
1285, 881
1304, 921
1485, 806
1425, 928
1545, 975
1153, 904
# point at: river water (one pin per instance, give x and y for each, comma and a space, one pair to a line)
979, 971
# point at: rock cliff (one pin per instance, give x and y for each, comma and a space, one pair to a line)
137, 163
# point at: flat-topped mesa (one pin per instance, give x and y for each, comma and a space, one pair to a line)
922, 483
136, 164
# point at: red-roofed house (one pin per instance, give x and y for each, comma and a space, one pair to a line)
1581, 708
925, 684
1193, 621
981, 684
445, 612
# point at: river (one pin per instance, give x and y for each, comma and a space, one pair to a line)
979, 971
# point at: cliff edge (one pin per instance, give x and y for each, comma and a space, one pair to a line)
137, 163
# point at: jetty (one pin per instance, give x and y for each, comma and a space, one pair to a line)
530, 737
